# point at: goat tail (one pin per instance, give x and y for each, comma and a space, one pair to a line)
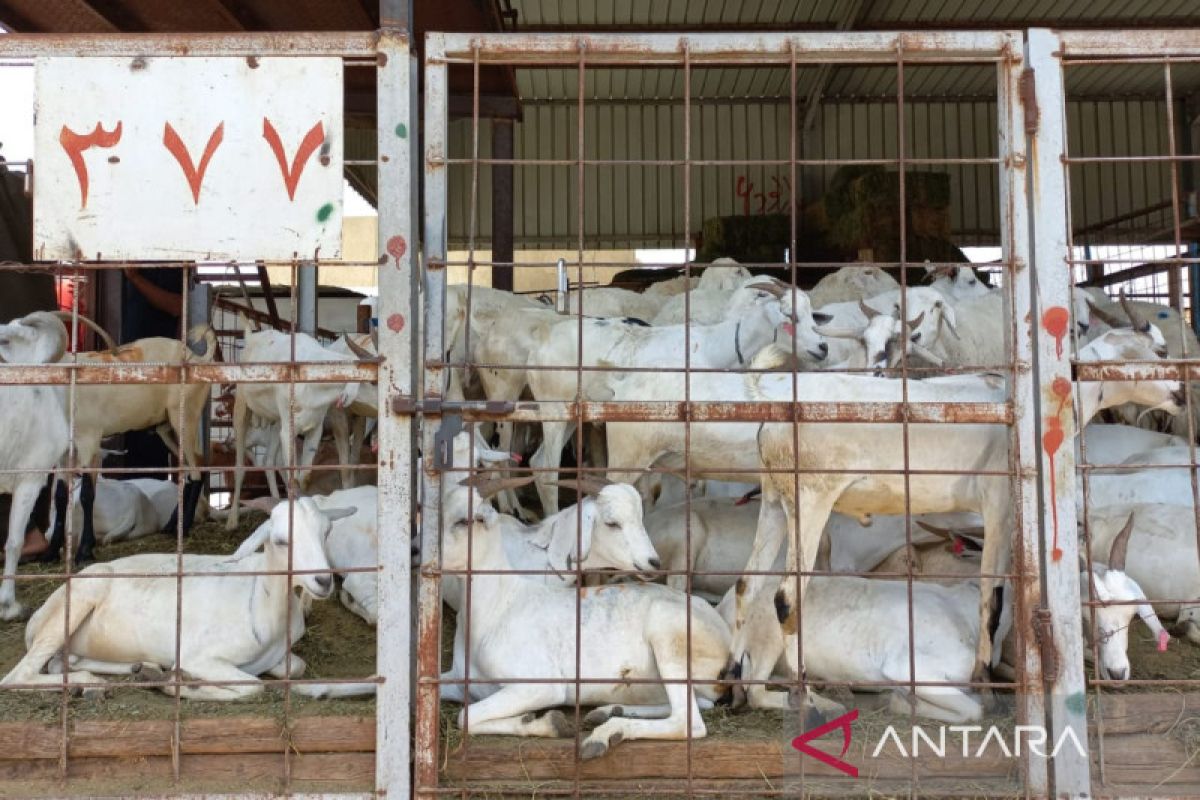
771, 357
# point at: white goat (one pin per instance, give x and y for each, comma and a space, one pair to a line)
957, 283
1115, 444
124, 510
756, 314
34, 421
234, 627
851, 284
832, 456
611, 535
350, 424
927, 312
705, 306
271, 402
521, 627
1163, 560
105, 409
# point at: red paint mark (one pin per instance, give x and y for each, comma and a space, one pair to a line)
1052, 439
958, 546
841, 723
75, 143
397, 247
395, 323
1055, 321
1061, 388
312, 140
193, 174
1163, 638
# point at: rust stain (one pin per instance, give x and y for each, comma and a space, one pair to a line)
125, 354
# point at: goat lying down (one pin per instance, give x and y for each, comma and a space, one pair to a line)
856, 630
235, 627
523, 628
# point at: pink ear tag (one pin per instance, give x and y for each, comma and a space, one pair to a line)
1163, 638
958, 546
789, 329
516, 458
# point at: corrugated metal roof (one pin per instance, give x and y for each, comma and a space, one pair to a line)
642, 206
825, 14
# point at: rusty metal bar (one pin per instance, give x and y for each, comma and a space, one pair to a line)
811, 48
302, 44
143, 372
1101, 44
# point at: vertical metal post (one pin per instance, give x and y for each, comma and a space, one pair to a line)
397, 280
1019, 309
199, 311
502, 204
306, 297
1056, 422
434, 130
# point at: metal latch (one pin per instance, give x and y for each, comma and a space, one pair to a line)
407, 405
1043, 634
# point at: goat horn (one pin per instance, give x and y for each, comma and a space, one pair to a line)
361, 353
926, 354
839, 333
1135, 319
1116, 556
944, 320
1111, 320
771, 288
487, 487
915, 323
867, 311
587, 484
66, 317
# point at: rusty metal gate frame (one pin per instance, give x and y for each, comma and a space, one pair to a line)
387, 51
1050, 53
1015, 98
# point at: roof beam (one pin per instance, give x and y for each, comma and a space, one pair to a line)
1073, 23
14, 21
812, 103
241, 15
118, 15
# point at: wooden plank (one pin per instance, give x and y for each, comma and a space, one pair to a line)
136, 738
712, 759
1143, 713
242, 773
1141, 763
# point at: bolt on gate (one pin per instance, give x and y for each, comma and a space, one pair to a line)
690, 393
286, 742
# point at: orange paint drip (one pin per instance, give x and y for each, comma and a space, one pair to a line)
1052, 439
1055, 321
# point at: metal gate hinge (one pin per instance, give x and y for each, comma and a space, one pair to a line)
1043, 635
406, 405
1029, 104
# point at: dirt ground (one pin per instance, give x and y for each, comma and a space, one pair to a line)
336, 644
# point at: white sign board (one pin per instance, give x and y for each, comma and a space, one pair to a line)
204, 159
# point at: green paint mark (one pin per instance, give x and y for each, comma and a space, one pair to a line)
1077, 703
324, 212
402, 131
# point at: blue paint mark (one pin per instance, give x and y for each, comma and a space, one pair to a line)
1077, 703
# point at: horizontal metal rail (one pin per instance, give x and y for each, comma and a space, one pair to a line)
301, 44
105, 374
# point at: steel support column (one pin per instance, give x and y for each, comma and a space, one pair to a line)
502, 204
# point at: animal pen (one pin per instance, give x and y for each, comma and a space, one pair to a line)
989, 139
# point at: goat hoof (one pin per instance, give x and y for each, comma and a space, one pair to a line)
84, 557
558, 723
145, 671
15, 613
48, 556
592, 748
599, 716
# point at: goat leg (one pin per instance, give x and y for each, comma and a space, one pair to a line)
52, 553
87, 540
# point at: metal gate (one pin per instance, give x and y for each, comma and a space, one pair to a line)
1036, 359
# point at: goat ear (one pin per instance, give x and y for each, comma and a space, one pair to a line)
253, 541
334, 514
563, 551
